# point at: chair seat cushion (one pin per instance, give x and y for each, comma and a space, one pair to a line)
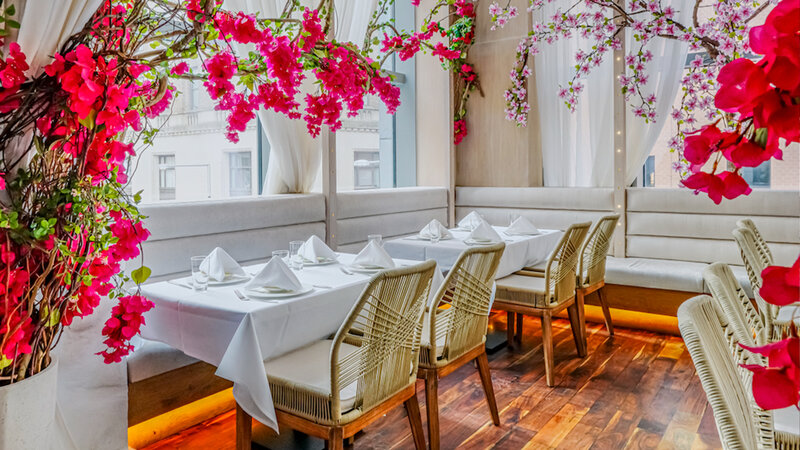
656, 273
787, 420
425, 341
310, 367
523, 290
151, 358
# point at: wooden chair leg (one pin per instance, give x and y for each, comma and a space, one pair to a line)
547, 346
575, 325
580, 302
510, 329
601, 294
519, 329
432, 407
335, 439
414, 419
486, 380
244, 429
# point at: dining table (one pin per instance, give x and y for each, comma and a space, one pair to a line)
522, 250
237, 336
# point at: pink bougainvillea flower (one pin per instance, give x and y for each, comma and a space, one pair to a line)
727, 184
180, 69
777, 385
742, 82
778, 40
459, 130
781, 285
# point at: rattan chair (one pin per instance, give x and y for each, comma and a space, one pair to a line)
744, 322
755, 261
454, 329
332, 389
740, 422
592, 265
546, 294
760, 242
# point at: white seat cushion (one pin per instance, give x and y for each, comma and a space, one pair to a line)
787, 420
426, 333
656, 273
311, 366
152, 358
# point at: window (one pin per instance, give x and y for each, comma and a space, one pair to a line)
240, 173
166, 177
758, 177
366, 169
375, 149
193, 160
649, 172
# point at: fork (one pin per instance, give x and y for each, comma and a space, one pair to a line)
345, 270
241, 296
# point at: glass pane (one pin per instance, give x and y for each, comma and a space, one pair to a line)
364, 148
189, 159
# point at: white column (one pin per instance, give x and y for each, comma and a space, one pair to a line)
620, 206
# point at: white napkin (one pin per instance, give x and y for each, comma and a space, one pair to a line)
219, 264
484, 232
521, 225
315, 250
429, 229
373, 255
471, 221
276, 275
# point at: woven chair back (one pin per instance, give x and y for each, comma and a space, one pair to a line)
561, 269
760, 242
744, 322
755, 261
592, 264
741, 424
388, 317
460, 312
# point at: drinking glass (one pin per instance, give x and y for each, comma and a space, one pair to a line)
435, 235
375, 237
282, 254
295, 259
199, 278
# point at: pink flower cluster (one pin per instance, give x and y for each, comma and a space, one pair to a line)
12, 75
344, 76
763, 96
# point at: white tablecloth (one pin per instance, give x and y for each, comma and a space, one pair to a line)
237, 336
521, 251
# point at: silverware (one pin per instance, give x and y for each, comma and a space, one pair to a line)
346, 270
241, 296
320, 286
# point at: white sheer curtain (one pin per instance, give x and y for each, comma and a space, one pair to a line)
577, 148
295, 157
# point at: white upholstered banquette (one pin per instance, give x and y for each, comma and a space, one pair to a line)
671, 235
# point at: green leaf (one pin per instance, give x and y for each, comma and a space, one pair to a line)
11, 10
12, 23
760, 137
137, 197
141, 274
4, 362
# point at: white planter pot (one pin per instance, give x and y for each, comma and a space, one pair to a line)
27, 411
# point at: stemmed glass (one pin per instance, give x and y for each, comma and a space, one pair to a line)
295, 258
199, 278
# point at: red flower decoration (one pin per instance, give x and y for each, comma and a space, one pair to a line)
781, 285
777, 385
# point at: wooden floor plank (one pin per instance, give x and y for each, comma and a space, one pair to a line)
636, 390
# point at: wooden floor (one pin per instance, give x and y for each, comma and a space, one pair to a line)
637, 390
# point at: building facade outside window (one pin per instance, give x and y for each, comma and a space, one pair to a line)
166, 176
240, 174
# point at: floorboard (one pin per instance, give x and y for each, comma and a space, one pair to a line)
637, 390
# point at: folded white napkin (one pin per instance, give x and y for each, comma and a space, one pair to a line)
219, 265
315, 250
484, 232
433, 225
275, 276
373, 255
521, 225
472, 220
